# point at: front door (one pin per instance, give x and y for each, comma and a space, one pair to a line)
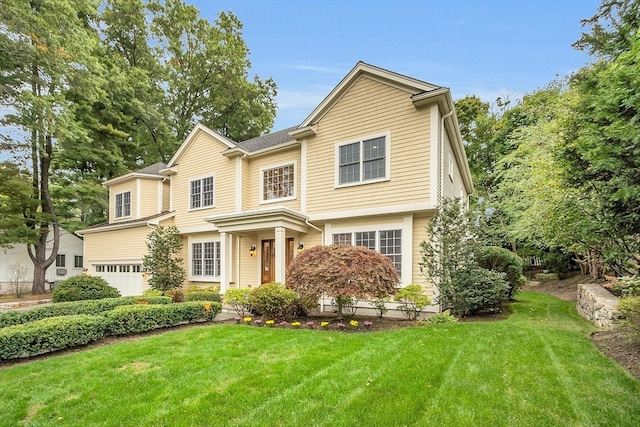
269, 258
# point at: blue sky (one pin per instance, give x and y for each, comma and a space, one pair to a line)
487, 48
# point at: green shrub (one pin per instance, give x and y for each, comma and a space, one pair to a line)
9, 318
46, 335
380, 305
630, 309
238, 299
503, 260
439, 319
132, 319
476, 289
78, 288
412, 300
152, 293
273, 300
626, 286
202, 296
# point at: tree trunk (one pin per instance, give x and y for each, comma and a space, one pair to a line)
39, 280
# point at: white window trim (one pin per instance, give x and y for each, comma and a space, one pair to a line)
200, 178
203, 278
264, 201
387, 160
407, 238
60, 254
115, 216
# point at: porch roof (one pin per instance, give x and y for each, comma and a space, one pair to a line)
257, 220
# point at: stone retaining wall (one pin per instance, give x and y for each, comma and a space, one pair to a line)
598, 305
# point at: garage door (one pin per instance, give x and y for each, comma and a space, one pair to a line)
126, 278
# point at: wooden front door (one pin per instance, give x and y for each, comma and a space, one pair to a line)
269, 258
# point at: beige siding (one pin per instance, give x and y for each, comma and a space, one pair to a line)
203, 159
419, 235
116, 245
253, 181
166, 192
148, 197
453, 185
370, 108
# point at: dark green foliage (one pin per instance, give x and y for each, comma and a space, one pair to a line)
626, 287
202, 296
80, 287
557, 262
162, 261
46, 335
439, 319
476, 289
273, 300
142, 318
412, 300
9, 318
502, 260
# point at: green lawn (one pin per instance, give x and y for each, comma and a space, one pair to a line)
538, 368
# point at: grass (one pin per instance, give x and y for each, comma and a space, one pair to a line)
536, 368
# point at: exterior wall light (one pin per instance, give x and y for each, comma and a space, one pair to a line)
300, 247
252, 250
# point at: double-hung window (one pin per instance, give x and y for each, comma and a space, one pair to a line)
387, 242
363, 161
278, 183
201, 193
123, 204
205, 259
61, 260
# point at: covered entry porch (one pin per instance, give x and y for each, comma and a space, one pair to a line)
267, 240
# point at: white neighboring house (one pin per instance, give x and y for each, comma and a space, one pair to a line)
68, 262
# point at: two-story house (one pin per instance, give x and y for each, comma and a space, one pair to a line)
367, 167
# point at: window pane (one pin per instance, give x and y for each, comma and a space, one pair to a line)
118, 205
195, 193
278, 183
196, 259
374, 169
207, 191
350, 153
391, 246
77, 261
342, 239
126, 204
366, 239
60, 260
374, 149
349, 173
209, 259
217, 259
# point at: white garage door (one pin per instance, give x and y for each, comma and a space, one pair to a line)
126, 278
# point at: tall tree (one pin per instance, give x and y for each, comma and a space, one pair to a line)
53, 41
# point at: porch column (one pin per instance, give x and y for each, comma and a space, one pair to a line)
225, 262
281, 253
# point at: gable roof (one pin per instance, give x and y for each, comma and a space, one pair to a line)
400, 81
184, 147
152, 171
267, 141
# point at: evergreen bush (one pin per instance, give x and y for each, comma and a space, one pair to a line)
502, 260
78, 288
273, 300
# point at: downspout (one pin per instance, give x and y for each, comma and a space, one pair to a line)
306, 221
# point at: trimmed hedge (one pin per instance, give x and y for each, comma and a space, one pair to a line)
46, 335
131, 319
59, 333
10, 318
202, 296
79, 288
502, 260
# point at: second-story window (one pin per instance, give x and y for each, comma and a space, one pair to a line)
201, 193
362, 161
278, 183
123, 204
